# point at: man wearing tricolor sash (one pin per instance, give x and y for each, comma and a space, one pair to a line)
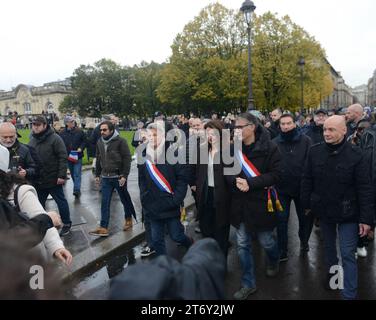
163, 187
255, 201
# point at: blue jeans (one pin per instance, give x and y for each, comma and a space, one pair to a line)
75, 170
175, 230
57, 194
305, 223
108, 186
266, 240
348, 239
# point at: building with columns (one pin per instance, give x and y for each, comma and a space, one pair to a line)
30, 100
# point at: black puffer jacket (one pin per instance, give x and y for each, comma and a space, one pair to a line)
336, 184
294, 155
251, 207
52, 152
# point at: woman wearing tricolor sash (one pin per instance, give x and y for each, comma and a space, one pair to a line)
163, 187
255, 203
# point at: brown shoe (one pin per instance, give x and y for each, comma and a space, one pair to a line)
128, 224
100, 232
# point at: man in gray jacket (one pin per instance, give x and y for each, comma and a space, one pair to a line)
112, 169
53, 155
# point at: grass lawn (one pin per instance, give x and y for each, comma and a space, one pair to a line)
127, 135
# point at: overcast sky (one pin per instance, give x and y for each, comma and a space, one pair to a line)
45, 40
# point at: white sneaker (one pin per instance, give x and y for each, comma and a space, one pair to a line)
362, 252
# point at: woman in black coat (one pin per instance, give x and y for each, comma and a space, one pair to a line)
213, 196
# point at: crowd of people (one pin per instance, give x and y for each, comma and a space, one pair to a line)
243, 170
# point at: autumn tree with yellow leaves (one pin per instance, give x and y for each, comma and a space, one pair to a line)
208, 67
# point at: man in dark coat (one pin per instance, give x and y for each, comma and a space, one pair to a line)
20, 161
354, 114
336, 187
294, 147
250, 209
52, 152
161, 201
273, 126
75, 142
315, 130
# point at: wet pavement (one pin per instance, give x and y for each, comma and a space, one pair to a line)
98, 260
301, 277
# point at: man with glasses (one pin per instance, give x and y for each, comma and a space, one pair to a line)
359, 138
252, 209
21, 161
112, 169
315, 130
53, 155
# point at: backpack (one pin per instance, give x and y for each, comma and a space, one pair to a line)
13, 222
10, 216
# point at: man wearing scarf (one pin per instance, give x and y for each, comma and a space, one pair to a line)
336, 187
163, 187
112, 169
51, 150
293, 146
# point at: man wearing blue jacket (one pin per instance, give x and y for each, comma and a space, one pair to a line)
75, 142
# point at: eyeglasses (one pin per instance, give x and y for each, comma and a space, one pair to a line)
360, 129
36, 124
104, 130
242, 127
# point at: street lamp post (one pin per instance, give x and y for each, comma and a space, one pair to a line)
248, 8
301, 64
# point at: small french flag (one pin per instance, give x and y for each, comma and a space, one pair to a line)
73, 156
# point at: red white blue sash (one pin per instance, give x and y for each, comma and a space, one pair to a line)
247, 166
158, 178
251, 172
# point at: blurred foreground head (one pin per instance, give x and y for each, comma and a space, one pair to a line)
200, 276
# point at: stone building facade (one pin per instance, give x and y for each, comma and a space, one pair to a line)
29, 100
